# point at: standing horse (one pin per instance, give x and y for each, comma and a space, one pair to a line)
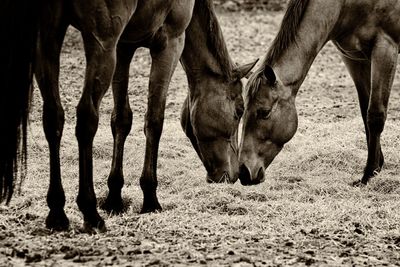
161, 26
366, 32
210, 114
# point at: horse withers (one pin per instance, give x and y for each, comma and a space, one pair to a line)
367, 33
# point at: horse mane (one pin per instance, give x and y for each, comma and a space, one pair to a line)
215, 39
288, 31
18, 31
286, 36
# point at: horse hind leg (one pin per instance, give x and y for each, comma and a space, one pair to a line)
47, 74
383, 66
163, 65
121, 123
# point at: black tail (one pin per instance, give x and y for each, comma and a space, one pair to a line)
18, 32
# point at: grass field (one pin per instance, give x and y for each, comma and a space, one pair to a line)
305, 213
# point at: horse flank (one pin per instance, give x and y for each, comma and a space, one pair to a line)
286, 36
215, 42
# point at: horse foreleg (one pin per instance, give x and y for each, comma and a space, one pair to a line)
163, 65
47, 74
383, 67
121, 123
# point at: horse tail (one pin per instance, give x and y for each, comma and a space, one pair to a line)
19, 24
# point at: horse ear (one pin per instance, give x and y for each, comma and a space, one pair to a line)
269, 74
244, 71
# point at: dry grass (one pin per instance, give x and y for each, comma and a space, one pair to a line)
305, 213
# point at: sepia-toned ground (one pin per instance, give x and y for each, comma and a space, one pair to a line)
305, 213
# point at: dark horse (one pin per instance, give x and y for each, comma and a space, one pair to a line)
366, 32
215, 90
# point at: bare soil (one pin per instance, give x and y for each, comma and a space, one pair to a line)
305, 213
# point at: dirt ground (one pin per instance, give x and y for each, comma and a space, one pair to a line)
305, 213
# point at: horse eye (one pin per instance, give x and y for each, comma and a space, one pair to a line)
263, 114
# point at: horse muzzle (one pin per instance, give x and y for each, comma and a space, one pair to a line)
247, 178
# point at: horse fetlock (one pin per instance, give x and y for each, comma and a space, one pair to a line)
94, 227
56, 199
115, 181
93, 222
150, 202
85, 204
113, 204
370, 173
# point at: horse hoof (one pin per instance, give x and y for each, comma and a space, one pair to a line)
153, 207
113, 206
359, 183
57, 221
94, 228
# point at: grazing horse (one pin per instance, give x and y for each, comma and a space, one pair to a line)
367, 33
157, 24
210, 114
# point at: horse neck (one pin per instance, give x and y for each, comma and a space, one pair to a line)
313, 33
203, 58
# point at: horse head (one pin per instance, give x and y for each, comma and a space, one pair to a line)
269, 121
210, 118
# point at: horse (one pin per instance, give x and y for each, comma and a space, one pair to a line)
210, 113
101, 24
366, 33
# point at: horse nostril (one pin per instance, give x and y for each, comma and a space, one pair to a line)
260, 175
244, 175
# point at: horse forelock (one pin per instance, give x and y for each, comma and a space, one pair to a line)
288, 31
215, 39
253, 85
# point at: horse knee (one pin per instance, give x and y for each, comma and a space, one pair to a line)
154, 125
121, 122
376, 121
